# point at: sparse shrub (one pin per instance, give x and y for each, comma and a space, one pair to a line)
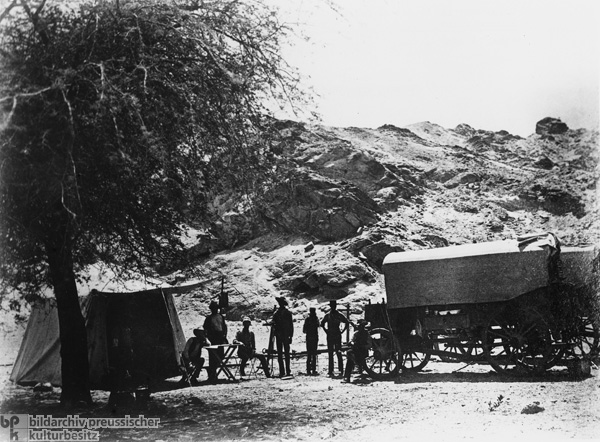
493, 406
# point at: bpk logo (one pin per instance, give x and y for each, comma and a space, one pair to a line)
14, 427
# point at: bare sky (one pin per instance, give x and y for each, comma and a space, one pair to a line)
491, 64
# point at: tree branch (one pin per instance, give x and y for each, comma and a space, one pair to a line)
34, 17
8, 9
14, 99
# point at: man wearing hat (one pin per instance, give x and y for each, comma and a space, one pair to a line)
331, 324
283, 329
191, 357
215, 328
311, 329
247, 350
357, 355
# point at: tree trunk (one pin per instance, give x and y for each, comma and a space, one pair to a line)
73, 336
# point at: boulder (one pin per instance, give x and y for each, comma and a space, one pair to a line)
326, 269
544, 163
549, 126
375, 253
462, 178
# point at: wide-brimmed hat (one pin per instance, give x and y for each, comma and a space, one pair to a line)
281, 300
246, 319
198, 332
363, 322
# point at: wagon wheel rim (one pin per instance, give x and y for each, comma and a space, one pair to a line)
584, 341
415, 360
496, 338
464, 346
381, 367
523, 346
382, 360
416, 354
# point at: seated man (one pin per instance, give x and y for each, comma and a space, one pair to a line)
357, 355
191, 357
247, 350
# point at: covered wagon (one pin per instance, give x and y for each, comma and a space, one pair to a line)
523, 304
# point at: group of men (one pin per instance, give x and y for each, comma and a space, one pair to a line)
334, 323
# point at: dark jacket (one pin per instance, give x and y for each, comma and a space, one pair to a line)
361, 341
215, 328
311, 327
331, 323
283, 323
249, 343
193, 349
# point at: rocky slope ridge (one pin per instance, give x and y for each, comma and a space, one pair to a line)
352, 195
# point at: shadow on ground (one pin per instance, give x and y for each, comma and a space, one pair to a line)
194, 414
426, 376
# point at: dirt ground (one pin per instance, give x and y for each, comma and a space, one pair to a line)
445, 401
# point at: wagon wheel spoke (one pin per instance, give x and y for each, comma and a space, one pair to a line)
584, 341
382, 360
526, 345
416, 358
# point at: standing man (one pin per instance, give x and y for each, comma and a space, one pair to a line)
283, 329
247, 350
331, 324
357, 355
311, 329
215, 328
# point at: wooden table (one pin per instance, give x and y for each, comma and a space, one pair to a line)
228, 350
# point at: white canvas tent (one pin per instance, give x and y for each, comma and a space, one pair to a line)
156, 337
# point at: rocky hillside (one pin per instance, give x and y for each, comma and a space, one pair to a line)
352, 195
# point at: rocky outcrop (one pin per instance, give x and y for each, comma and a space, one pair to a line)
374, 245
326, 271
462, 178
401, 132
436, 134
341, 180
465, 130
482, 141
339, 158
550, 126
324, 208
347, 197
553, 199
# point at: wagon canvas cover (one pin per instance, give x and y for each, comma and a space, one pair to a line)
476, 273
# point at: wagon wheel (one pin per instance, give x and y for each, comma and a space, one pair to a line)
416, 356
382, 361
416, 352
584, 338
472, 348
465, 347
466, 350
524, 344
443, 346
